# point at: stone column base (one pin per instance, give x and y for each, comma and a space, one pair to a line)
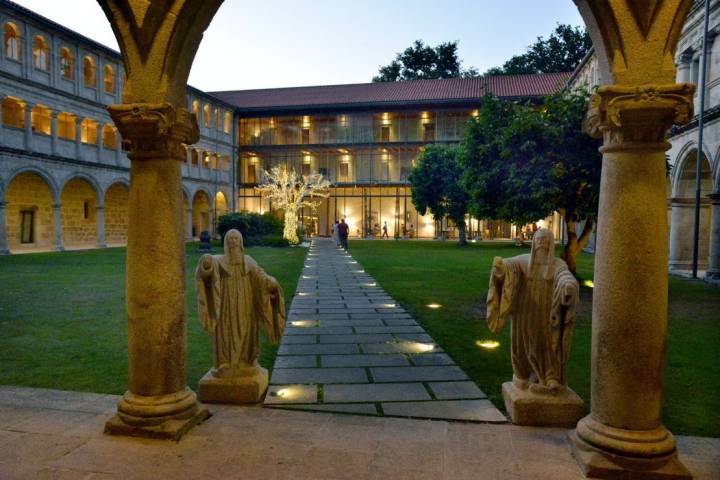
596, 463
165, 417
242, 389
542, 410
713, 276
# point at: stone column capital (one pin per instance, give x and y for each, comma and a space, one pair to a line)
100, 208
154, 130
57, 206
628, 115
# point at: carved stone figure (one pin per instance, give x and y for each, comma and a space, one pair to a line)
235, 296
540, 295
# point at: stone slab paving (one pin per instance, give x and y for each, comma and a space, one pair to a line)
350, 347
49, 434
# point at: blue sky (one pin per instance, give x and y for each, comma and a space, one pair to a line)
284, 43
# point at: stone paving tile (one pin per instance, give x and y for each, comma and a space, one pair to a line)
283, 394
361, 338
456, 390
376, 392
477, 410
431, 359
294, 339
318, 349
318, 330
417, 374
363, 360
358, 408
398, 347
319, 375
293, 361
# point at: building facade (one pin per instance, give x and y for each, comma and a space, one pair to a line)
366, 138
64, 177
682, 155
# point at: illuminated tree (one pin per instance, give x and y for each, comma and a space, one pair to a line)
290, 192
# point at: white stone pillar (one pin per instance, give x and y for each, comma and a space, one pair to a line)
4, 250
53, 131
57, 225
28, 126
78, 137
683, 68
99, 142
100, 221
713, 272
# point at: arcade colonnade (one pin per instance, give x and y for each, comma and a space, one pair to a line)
633, 111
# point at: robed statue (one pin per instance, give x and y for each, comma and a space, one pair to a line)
539, 294
235, 297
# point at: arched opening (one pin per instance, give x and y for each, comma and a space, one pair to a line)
66, 126
29, 213
88, 131
11, 41
195, 156
221, 206
66, 63
196, 109
117, 199
206, 115
227, 124
79, 213
41, 120
109, 136
200, 213
682, 216
109, 79
40, 53
89, 72
13, 112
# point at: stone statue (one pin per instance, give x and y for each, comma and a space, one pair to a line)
235, 296
540, 295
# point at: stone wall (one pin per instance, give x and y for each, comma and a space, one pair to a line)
29, 191
78, 212
201, 213
116, 213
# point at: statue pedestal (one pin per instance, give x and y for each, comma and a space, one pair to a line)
542, 410
241, 389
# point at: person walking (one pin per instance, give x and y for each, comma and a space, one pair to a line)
343, 231
336, 234
385, 234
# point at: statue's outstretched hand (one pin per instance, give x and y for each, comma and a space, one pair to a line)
206, 262
569, 294
498, 269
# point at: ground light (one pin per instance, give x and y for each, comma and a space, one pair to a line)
488, 344
304, 323
419, 347
434, 305
589, 284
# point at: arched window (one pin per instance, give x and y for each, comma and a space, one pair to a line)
66, 126
88, 132
40, 53
41, 119
89, 72
228, 122
206, 115
66, 63
196, 108
11, 41
109, 137
206, 159
195, 156
217, 119
13, 112
109, 79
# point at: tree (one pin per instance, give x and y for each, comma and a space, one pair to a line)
292, 192
422, 62
522, 162
561, 52
435, 186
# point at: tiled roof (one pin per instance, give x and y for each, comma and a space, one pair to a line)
411, 92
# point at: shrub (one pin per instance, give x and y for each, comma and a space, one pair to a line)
253, 226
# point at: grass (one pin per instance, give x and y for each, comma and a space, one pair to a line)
62, 317
419, 273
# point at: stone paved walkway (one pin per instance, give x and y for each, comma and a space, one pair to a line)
349, 347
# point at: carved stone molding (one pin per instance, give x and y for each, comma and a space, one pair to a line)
626, 116
154, 130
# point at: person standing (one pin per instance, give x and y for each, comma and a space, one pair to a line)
385, 234
343, 231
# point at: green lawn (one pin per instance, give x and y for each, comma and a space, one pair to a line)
62, 317
419, 273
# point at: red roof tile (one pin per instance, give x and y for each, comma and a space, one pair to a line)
411, 92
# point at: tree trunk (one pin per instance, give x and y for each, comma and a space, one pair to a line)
290, 230
575, 244
461, 233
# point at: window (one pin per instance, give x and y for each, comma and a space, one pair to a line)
41, 120
184, 149
86, 209
228, 122
89, 73
306, 167
226, 162
13, 112
206, 160
217, 119
252, 173
11, 41
195, 156
66, 63
109, 79
323, 171
305, 136
27, 226
66, 126
88, 132
109, 137
429, 132
385, 133
196, 108
40, 53
206, 115
344, 171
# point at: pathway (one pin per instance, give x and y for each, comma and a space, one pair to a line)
349, 347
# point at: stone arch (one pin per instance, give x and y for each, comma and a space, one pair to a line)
687, 154
49, 180
716, 169
201, 214
99, 192
80, 199
221, 205
117, 202
29, 198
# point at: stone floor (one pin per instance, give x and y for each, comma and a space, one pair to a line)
50, 434
349, 347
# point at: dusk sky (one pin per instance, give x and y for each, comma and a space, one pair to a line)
286, 43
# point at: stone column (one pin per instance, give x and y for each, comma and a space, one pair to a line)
4, 250
100, 221
99, 144
682, 218
57, 225
53, 131
683, 68
28, 126
189, 225
624, 435
158, 403
713, 272
78, 137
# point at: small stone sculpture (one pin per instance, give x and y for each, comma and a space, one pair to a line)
540, 294
235, 296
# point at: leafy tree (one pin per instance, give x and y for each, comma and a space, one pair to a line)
522, 162
435, 186
422, 62
561, 52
